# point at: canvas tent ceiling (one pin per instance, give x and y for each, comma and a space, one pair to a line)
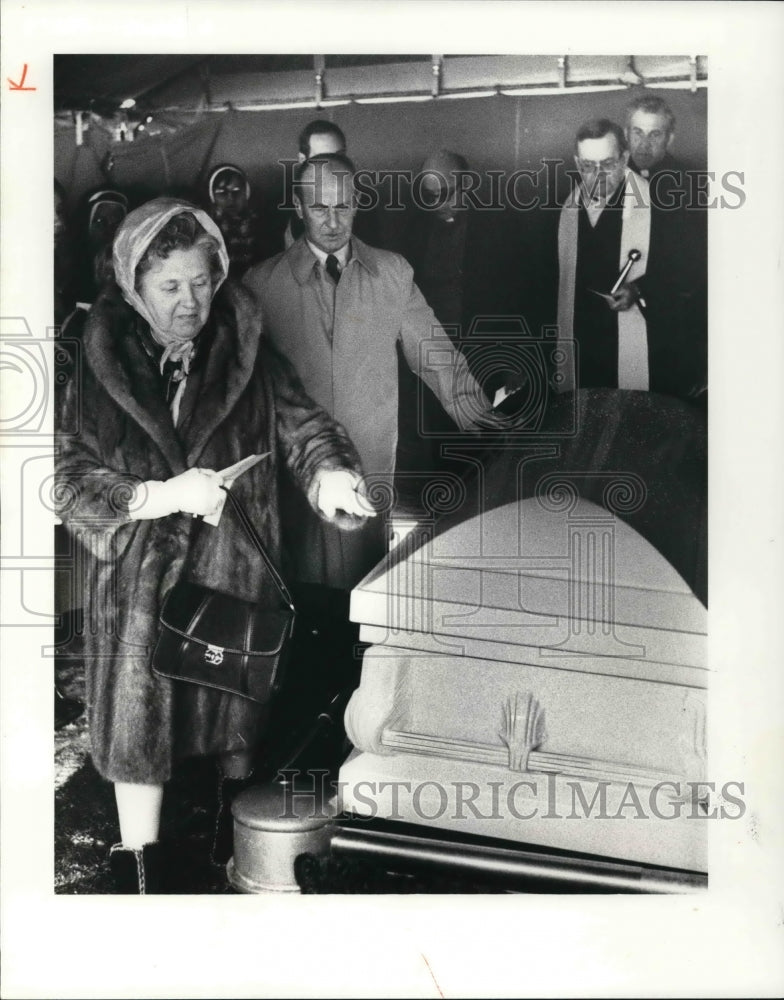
213, 82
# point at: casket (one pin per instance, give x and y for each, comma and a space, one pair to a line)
536, 678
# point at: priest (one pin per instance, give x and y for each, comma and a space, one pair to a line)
630, 298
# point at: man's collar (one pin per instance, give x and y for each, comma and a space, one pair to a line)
611, 202
667, 162
302, 260
342, 255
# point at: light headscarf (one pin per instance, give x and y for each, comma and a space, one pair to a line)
134, 236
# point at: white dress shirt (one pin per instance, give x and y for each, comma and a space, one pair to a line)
342, 255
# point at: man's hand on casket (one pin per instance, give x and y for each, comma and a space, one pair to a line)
340, 491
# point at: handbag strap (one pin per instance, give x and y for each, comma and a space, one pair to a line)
253, 535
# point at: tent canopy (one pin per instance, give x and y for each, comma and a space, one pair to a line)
101, 83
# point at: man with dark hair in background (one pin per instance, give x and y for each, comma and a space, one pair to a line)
320, 137
647, 330
317, 138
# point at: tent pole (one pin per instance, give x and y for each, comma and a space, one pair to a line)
319, 64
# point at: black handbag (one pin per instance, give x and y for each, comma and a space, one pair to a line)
217, 640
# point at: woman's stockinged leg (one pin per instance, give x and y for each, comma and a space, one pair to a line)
139, 811
137, 862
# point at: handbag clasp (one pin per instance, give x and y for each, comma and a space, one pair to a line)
214, 655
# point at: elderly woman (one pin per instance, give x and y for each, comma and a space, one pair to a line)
177, 384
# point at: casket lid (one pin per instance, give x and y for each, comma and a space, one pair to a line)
580, 580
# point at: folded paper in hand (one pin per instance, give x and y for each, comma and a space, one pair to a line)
229, 474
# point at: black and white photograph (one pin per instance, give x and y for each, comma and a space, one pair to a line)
367, 550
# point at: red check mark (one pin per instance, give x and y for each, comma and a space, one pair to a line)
20, 85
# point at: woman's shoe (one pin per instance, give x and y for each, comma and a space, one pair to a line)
137, 871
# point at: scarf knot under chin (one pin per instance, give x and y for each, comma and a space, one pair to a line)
177, 351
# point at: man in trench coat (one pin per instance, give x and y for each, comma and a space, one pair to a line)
338, 308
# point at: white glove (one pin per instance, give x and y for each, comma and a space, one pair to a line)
196, 492
339, 489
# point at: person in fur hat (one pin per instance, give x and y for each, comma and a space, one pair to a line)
177, 383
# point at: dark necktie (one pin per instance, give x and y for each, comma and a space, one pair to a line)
333, 268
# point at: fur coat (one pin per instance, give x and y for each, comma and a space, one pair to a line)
246, 400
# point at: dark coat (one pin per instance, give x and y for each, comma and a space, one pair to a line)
490, 270
248, 401
675, 288
491, 297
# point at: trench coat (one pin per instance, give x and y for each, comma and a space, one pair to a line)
248, 401
343, 342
